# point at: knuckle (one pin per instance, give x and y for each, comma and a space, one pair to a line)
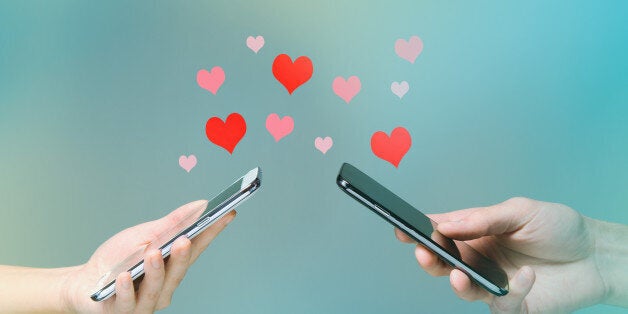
466, 297
500, 306
127, 309
519, 202
179, 279
152, 295
164, 304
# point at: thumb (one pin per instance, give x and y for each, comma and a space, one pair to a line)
514, 301
499, 219
185, 214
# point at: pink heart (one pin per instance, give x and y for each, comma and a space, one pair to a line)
346, 89
409, 50
211, 81
279, 128
187, 163
399, 89
255, 43
323, 144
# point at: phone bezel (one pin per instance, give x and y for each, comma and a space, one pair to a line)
404, 226
251, 181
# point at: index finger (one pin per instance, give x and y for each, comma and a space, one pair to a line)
443, 217
455, 215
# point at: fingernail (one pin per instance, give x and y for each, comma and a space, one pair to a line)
454, 287
449, 224
197, 207
203, 204
155, 261
230, 218
126, 284
525, 274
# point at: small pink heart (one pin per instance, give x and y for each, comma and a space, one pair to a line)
277, 127
255, 43
323, 144
346, 89
409, 50
211, 81
187, 163
399, 89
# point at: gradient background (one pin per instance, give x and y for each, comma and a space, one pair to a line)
99, 100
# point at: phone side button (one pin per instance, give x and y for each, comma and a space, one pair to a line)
203, 222
381, 211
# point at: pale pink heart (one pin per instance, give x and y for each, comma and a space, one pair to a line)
211, 81
409, 50
346, 89
399, 89
187, 162
255, 43
277, 127
323, 144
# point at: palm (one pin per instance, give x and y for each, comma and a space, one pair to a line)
128, 245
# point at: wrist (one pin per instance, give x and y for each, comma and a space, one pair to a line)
33, 290
611, 258
59, 283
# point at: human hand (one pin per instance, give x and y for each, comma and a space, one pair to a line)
160, 280
547, 250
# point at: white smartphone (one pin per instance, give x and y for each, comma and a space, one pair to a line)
217, 207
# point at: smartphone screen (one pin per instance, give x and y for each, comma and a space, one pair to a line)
189, 227
422, 229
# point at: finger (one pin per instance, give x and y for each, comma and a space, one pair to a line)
465, 289
453, 215
430, 262
520, 286
176, 268
499, 219
184, 212
403, 237
150, 288
187, 213
201, 242
125, 294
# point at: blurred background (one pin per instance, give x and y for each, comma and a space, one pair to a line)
99, 100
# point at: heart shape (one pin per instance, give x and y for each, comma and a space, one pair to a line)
187, 162
292, 75
346, 89
409, 50
226, 134
211, 81
400, 89
277, 127
393, 148
255, 43
323, 144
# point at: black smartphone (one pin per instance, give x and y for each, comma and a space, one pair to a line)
189, 227
421, 228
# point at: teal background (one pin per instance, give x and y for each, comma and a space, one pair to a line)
99, 99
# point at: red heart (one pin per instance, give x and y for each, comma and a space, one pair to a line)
292, 75
393, 148
226, 134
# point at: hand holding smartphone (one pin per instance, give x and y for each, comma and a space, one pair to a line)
189, 227
422, 229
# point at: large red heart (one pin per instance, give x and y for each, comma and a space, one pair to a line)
226, 134
393, 148
292, 75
